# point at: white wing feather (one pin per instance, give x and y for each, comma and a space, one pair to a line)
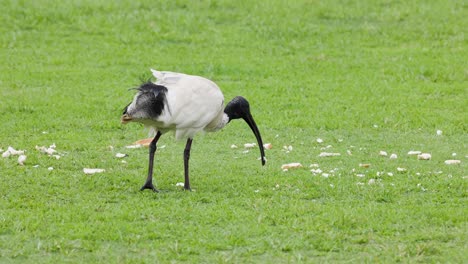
166, 77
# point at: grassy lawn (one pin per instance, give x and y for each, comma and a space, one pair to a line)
362, 76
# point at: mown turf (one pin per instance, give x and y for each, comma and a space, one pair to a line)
364, 76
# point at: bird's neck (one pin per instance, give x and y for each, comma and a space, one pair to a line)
223, 122
218, 124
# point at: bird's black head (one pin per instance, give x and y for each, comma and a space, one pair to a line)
239, 108
148, 103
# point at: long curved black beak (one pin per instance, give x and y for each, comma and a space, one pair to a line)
251, 122
239, 108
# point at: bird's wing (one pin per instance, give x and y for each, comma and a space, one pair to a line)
194, 102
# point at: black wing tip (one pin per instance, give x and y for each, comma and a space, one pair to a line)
149, 86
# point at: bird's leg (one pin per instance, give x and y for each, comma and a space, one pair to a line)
186, 163
152, 151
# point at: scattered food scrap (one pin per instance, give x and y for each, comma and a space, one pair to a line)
92, 171
364, 165
422, 188
134, 146
249, 145
15, 152
316, 171
383, 153
47, 150
268, 146
327, 147
120, 155
293, 165
287, 148
393, 156
424, 156
12, 152
414, 152
21, 159
143, 142
233, 146
6, 154
452, 162
329, 154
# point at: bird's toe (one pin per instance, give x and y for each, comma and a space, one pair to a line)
149, 186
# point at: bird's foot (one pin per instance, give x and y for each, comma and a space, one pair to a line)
149, 185
187, 188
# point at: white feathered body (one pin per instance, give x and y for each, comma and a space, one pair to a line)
193, 104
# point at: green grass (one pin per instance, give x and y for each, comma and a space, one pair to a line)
364, 76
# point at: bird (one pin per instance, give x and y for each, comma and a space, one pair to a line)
187, 105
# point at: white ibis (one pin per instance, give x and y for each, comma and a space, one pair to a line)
186, 104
